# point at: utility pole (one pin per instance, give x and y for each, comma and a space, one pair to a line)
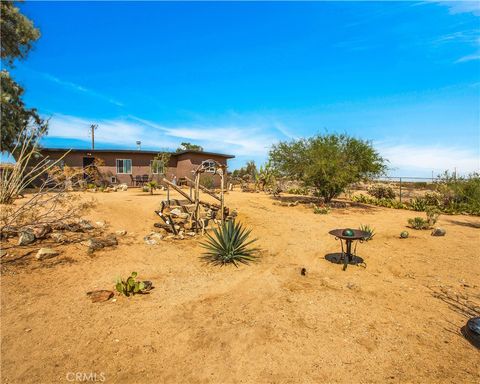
93, 128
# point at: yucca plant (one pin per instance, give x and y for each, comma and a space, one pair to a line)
229, 244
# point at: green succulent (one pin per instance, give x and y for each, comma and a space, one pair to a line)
418, 223
404, 235
369, 230
130, 286
229, 244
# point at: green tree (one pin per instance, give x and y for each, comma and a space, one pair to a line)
189, 147
328, 163
18, 35
16, 118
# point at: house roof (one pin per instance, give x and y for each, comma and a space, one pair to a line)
135, 151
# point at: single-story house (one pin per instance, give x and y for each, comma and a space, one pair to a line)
127, 166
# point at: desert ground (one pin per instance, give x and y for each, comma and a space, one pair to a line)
391, 321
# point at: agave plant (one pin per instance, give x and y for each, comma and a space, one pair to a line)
369, 230
229, 244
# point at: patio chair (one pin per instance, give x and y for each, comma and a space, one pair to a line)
132, 181
138, 180
145, 179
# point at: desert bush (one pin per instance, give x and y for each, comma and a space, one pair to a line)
50, 203
433, 213
433, 199
321, 210
460, 194
129, 286
370, 230
230, 244
419, 223
381, 191
404, 235
151, 186
418, 204
299, 191
207, 181
327, 163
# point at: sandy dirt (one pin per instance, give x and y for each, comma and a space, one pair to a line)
262, 323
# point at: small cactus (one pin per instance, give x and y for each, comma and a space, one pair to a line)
404, 235
130, 286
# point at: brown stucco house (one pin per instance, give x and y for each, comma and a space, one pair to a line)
127, 166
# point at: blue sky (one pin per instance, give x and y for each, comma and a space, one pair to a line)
237, 77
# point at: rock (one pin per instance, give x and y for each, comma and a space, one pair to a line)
121, 232
58, 237
153, 238
40, 231
100, 295
9, 231
46, 253
95, 244
190, 234
26, 237
175, 211
101, 224
439, 232
85, 225
123, 187
148, 285
303, 271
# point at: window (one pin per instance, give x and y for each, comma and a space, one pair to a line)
124, 166
157, 167
209, 165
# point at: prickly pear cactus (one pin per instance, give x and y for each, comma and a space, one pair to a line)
130, 286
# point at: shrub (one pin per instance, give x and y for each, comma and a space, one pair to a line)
404, 235
327, 163
418, 204
381, 191
130, 286
418, 223
299, 191
369, 230
321, 210
150, 187
230, 244
207, 181
433, 213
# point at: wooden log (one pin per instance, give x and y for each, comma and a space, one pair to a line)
169, 183
205, 189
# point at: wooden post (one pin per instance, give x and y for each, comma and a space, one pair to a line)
222, 203
197, 202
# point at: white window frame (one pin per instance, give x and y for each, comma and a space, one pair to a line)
157, 173
123, 166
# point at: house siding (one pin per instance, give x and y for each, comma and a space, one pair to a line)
179, 165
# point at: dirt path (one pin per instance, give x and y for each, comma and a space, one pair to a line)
263, 323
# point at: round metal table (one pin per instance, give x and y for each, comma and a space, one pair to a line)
357, 236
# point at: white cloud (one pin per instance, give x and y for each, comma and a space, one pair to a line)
80, 88
247, 141
468, 58
240, 140
456, 7
424, 159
